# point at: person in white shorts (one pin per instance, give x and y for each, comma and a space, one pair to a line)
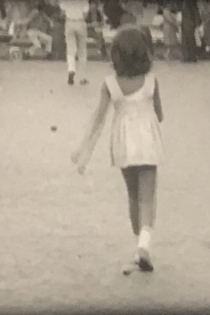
76, 36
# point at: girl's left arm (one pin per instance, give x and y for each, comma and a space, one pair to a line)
157, 102
83, 155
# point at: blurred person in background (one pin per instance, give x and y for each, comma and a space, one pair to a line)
95, 23
170, 29
3, 15
136, 8
38, 26
204, 9
129, 17
114, 11
191, 21
53, 10
76, 37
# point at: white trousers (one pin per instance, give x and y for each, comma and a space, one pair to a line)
76, 42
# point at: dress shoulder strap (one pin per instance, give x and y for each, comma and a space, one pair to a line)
113, 87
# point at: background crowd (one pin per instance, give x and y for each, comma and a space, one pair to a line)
42, 22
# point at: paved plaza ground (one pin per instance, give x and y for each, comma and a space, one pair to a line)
65, 238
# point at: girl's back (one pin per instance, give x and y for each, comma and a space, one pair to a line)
130, 85
126, 90
134, 92
135, 121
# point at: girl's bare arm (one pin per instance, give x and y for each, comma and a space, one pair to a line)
96, 125
157, 102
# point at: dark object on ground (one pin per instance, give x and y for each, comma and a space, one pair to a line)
84, 82
53, 128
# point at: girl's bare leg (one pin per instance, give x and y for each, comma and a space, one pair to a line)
147, 194
131, 178
147, 205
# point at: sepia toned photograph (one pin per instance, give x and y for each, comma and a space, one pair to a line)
105, 156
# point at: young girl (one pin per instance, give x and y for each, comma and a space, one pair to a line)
170, 29
136, 147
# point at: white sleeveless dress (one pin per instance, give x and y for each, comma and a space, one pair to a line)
136, 135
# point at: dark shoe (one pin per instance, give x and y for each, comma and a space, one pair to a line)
145, 263
71, 78
49, 56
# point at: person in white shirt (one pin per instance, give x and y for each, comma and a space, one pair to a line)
76, 36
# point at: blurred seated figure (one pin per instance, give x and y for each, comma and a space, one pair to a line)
95, 23
38, 26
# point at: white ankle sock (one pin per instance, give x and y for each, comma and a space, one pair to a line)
145, 237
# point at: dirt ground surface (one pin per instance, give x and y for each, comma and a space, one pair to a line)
64, 237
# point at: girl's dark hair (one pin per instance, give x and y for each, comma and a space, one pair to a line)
129, 52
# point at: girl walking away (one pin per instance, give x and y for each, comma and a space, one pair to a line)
136, 147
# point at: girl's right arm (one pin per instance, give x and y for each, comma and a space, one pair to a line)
83, 155
157, 102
